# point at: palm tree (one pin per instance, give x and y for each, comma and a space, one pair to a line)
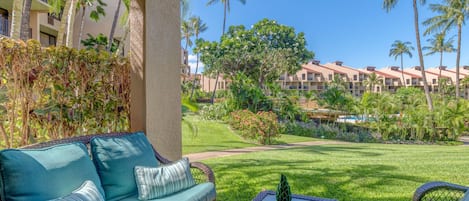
198, 27
226, 8
16, 16
388, 5
24, 33
373, 80
452, 14
187, 31
440, 45
398, 49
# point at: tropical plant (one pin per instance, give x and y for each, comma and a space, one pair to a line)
187, 32
198, 27
245, 94
55, 92
398, 49
98, 43
453, 13
388, 5
94, 15
372, 81
261, 126
440, 45
226, 9
262, 53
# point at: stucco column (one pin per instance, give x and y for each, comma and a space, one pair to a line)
156, 60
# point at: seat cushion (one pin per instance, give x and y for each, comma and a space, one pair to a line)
200, 192
44, 174
157, 182
115, 159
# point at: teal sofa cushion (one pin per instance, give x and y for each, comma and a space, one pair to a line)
157, 182
44, 174
87, 192
200, 192
115, 159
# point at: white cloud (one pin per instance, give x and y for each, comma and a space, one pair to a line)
193, 63
193, 66
192, 58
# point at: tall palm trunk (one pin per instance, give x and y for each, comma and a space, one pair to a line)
439, 74
195, 75
16, 19
82, 25
114, 24
70, 20
419, 48
24, 33
223, 33
402, 71
458, 58
63, 23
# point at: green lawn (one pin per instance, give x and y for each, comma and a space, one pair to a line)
352, 172
214, 136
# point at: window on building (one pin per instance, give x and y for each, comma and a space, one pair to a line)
47, 39
434, 81
407, 81
355, 77
330, 76
303, 76
4, 22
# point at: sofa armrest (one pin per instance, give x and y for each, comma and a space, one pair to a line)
202, 173
438, 190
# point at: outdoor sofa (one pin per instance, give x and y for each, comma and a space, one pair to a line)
114, 166
444, 191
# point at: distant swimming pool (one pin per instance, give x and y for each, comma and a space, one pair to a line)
352, 119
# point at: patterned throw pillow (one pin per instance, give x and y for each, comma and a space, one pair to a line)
157, 182
87, 192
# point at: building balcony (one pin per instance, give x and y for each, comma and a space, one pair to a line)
36, 5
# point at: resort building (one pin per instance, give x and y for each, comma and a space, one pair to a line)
44, 26
389, 82
316, 77
354, 77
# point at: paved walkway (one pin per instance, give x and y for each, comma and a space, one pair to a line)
464, 139
232, 152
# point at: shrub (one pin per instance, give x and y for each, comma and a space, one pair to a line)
262, 126
216, 111
55, 92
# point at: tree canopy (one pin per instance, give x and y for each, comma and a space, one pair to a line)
262, 53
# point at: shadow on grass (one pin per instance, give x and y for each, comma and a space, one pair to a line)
243, 179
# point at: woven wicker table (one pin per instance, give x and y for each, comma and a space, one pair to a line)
270, 196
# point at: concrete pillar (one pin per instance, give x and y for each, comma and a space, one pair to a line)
156, 60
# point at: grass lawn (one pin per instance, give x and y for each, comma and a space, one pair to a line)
214, 136
352, 172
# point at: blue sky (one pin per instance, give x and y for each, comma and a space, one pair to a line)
357, 32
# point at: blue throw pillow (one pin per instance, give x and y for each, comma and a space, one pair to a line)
87, 192
44, 174
157, 182
115, 159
